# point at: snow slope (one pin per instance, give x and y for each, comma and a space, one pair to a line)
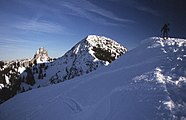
147, 83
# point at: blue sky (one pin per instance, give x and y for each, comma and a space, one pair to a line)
57, 25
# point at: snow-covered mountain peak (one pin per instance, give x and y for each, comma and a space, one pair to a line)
103, 42
41, 55
97, 48
88, 55
99, 45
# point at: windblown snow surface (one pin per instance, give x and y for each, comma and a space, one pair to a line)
147, 83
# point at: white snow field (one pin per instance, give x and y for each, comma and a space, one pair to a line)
147, 83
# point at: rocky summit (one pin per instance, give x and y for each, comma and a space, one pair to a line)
41, 55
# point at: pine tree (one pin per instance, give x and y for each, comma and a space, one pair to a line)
35, 62
30, 78
23, 89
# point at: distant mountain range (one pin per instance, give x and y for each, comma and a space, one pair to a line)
89, 54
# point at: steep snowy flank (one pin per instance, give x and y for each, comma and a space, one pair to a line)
88, 55
147, 83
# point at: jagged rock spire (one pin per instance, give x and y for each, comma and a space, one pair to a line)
41, 55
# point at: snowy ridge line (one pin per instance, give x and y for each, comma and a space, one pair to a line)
175, 84
173, 76
161, 39
147, 83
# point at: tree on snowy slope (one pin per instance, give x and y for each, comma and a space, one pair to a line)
5, 94
30, 77
9, 78
42, 70
1, 64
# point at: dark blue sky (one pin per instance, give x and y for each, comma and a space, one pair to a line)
57, 25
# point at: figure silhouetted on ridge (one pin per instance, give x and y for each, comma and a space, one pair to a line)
165, 30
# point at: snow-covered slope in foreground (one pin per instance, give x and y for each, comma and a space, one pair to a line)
147, 83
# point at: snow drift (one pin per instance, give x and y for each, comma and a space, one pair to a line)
147, 83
